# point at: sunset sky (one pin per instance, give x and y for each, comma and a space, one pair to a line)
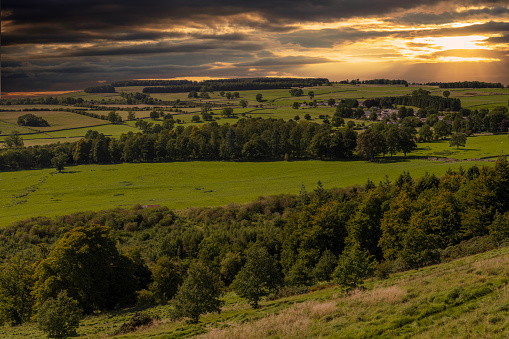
71, 44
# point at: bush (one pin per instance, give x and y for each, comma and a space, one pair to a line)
383, 270
145, 298
59, 318
138, 320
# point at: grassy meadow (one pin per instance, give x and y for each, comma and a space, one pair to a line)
465, 298
184, 184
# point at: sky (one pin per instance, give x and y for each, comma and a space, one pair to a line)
71, 44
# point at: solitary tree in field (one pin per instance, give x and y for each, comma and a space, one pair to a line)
311, 95
243, 103
458, 139
154, 115
259, 97
446, 94
59, 161
227, 112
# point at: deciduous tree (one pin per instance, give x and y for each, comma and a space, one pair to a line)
258, 277
199, 293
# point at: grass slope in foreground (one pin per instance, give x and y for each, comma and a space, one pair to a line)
466, 298
185, 184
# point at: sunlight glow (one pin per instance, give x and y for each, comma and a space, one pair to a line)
465, 59
455, 42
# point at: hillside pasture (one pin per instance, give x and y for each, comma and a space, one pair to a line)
477, 146
184, 184
465, 298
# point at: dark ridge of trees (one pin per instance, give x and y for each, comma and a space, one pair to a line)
126, 83
42, 101
239, 84
100, 89
375, 82
466, 84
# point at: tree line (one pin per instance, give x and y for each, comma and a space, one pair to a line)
270, 246
466, 84
248, 139
374, 82
100, 89
240, 84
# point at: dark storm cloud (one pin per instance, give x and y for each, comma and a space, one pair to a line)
73, 20
73, 41
329, 37
288, 60
420, 18
157, 48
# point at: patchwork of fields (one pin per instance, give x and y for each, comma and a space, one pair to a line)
181, 185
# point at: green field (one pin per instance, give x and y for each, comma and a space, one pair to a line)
275, 104
184, 184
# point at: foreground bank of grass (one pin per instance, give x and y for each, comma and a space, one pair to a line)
466, 298
183, 184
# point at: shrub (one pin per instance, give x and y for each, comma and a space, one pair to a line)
138, 320
383, 270
145, 298
60, 317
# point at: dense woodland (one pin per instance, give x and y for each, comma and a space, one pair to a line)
147, 256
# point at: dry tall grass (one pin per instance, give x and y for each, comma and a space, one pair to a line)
296, 321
